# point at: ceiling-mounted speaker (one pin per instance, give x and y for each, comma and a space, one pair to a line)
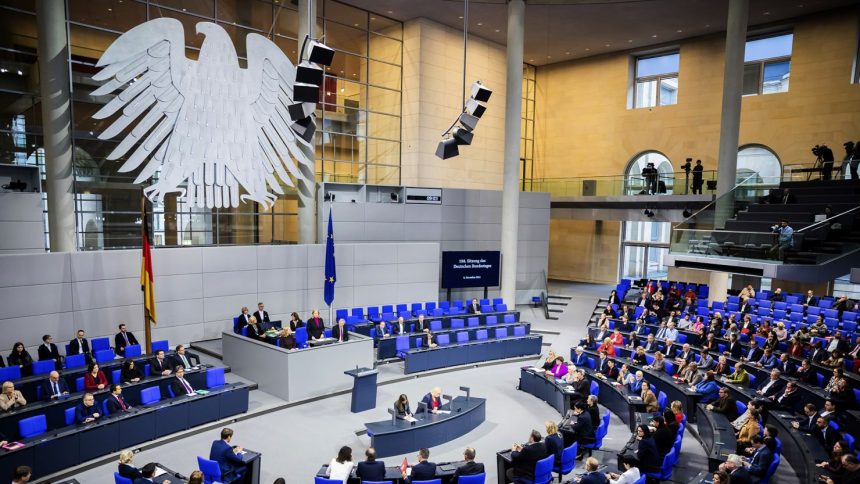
463, 136
305, 128
306, 93
475, 108
468, 121
480, 92
301, 110
447, 148
308, 73
320, 53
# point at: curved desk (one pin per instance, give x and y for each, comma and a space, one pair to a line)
548, 390
716, 435
430, 429
801, 449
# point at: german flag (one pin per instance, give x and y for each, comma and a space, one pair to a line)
147, 280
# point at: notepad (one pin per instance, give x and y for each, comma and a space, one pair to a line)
443, 412
13, 445
410, 419
202, 392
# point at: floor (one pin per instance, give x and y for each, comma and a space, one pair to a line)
297, 440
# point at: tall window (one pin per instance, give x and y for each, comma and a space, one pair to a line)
644, 246
656, 80
767, 64
758, 165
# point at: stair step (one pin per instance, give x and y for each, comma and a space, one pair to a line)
550, 303
558, 296
555, 310
552, 318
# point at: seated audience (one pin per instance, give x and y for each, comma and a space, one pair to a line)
834, 465
159, 365
658, 364
424, 470
852, 471
94, 378
126, 466
22, 474
180, 385
630, 472
54, 387
197, 477
115, 402
469, 467
771, 386
340, 467
11, 399
750, 428
262, 315
147, 473
553, 441
21, 358
678, 409
734, 468
370, 469
86, 411
130, 372
647, 458
226, 455
725, 404
286, 338
255, 330
122, 339
761, 458
48, 351
664, 437
740, 377
243, 319
524, 458
806, 423
382, 330
182, 357
339, 332
592, 476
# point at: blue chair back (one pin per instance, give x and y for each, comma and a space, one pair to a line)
43, 367
302, 337
324, 480
327, 333
443, 340
661, 399
104, 407
436, 325
501, 308
341, 313
543, 470
501, 332
473, 322
10, 373
118, 479
641, 480
375, 482
69, 415
509, 318
670, 367
595, 389
473, 479
401, 343
568, 460
771, 469
741, 407
431, 481
79, 384
104, 356
388, 308
160, 345
462, 337
481, 334
115, 377
32, 426
75, 361
210, 469
429, 306
150, 395
99, 344
132, 351
491, 320
519, 330
457, 323
215, 377
498, 300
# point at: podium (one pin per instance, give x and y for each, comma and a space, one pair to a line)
363, 389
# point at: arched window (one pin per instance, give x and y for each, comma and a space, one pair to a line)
760, 163
636, 183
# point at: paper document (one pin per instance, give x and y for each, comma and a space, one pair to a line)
443, 412
410, 419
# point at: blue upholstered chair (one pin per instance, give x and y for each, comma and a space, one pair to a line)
160, 345
215, 377
32, 426
43, 367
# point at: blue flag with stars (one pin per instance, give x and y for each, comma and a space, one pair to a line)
330, 273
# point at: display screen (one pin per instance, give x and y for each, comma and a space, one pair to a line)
470, 269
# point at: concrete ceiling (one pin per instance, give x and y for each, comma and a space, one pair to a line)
560, 30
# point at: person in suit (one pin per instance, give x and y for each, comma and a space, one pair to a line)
469, 468
591, 475
48, 351
524, 458
734, 467
739, 377
824, 433
130, 372
553, 441
735, 348
818, 353
768, 360
242, 320
582, 429
399, 327
86, 411
126, 466
94, 378
433, 400
54, 387
580, 386
786, 367
286, 338
754, 353
807, 423
424, 470
789, 399
647, 459
649, 399
10, 398
21, 358
664, 437
159, 365
722, 367
262, 315
401, 407
115, 401
761, 458
809, 300
580, 358
370, 469
183, 357
80, 345
382, 330
474, 307
227, 456
339, 332
725, 404
180, 385
610, 371
592, 409
422, 324
255, 330
147, 473
772, 386
295, 321
122, 339
315, 325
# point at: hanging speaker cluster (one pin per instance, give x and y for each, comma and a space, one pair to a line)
461, 131
306, 89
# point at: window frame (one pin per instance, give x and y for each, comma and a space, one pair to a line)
762, 63
658, 77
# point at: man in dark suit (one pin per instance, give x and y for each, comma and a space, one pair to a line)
809, 300
86, 411
735, 348
789, 399
122, 339
148, 472
262, 315
761, 458
159, 365
582, 430
651, 345
184, 358
424, 470
474, 307
818, 353
725, 405
227, 456
54, 387
315, 325
383, 330
524, 458
80, 346
579, 357
242, 320
734, 467
115, 401
825, 434
591, 475
772, 386
754, 353
370, 469
48, 351
808, 421
470, 468
785, 365
422, 324
339, 332
180, 385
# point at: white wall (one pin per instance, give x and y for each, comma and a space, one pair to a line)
22, 229
200, 289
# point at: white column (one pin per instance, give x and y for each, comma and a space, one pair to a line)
306, 187
730, 121
718, 286
56, 124
513, 115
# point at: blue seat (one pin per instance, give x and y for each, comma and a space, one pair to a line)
519, 330
132, 350
215, 377
416, 307
771, 469
594, 389
752, 380
150, 395
104, 356
486, 308
437, 312
163, 345
69, 415
403, 310
79, 384
10, 373
568, 461
492, 320
431, 481
458, 323
509, 318
459, 304
857, 396
661, 399
484, 302
590, 362
32, 426
211, 470
462, 337
302, 337
498, 300
473, 322
401, 346
543, 472
357, 312
741, 407
99, 344
104, 407
666, 469
118, 479
115, 377
327, 333
373, 313
649, 358
436, 325
501, 333
641, 480
670, 367
480, 334
43, 367
500, 308
387, 308
443, 340
75, 361
473, 479
341, 313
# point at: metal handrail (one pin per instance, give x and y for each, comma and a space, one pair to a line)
828, 220
714, 201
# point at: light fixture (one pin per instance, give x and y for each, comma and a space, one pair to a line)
447, 148
649, 213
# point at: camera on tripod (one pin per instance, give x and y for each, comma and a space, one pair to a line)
818, 150
688, 165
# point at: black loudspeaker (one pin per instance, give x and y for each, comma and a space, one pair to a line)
712, 184
463, 136
308, 73
301, 110
475, 108
320, 53
306, 93
480, 93
468, 121
305, 128
447, 148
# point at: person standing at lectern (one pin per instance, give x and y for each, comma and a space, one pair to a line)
339, 332
433, 400
315, 325
474, 307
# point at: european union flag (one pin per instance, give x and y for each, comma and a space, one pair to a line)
330, 273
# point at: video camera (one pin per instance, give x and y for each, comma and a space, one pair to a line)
688, 165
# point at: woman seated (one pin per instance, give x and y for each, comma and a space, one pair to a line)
286, 338
795, 347
559, 369
616, 338
624, 375
835, 360
130, 372
764, 328
722, 367
633, 341
607, 346
678, 410
834, 465
340, 467
126, 466
658, 364
94, 378
549, 362
647, 458
771, 342
711, 344
834, 380
649, 399
296, 321
11, 399
21, 358
639, 357
781, 332
401, 407
751, 427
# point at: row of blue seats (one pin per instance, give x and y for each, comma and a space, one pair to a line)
404, 344
460, 323
12, 373
389, 311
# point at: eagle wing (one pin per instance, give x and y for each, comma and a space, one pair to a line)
148, 63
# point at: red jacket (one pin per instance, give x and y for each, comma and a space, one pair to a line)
90, 383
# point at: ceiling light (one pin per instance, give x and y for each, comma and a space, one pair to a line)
4, 70
391, 11
371, 18
497, 30
480, 23
630, 41
567, 53
607, 45
655, 35
355, 25
549, 57
800, 6
679, 31
587, 49
707, 25
766, 13
342, 89
20, 73
460, 17
531, 60
110, 10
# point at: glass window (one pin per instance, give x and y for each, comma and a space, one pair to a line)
759, 163
255, 14
767, 67
656, 80
632, 266
636, 182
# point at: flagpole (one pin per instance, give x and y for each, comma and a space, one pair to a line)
147, 330
330, 310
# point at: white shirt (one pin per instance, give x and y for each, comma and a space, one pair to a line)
629, 477
339, 471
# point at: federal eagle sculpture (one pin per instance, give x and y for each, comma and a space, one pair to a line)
208, 124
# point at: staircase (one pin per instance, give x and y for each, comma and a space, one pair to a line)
555, 304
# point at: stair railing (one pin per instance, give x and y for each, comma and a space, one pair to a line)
544, 295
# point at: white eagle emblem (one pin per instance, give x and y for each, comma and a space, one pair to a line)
209, 122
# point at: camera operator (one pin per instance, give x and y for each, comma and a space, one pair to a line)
649, 173
824, 155
698, 180
785, 238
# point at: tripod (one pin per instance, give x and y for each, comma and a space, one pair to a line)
819, 166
